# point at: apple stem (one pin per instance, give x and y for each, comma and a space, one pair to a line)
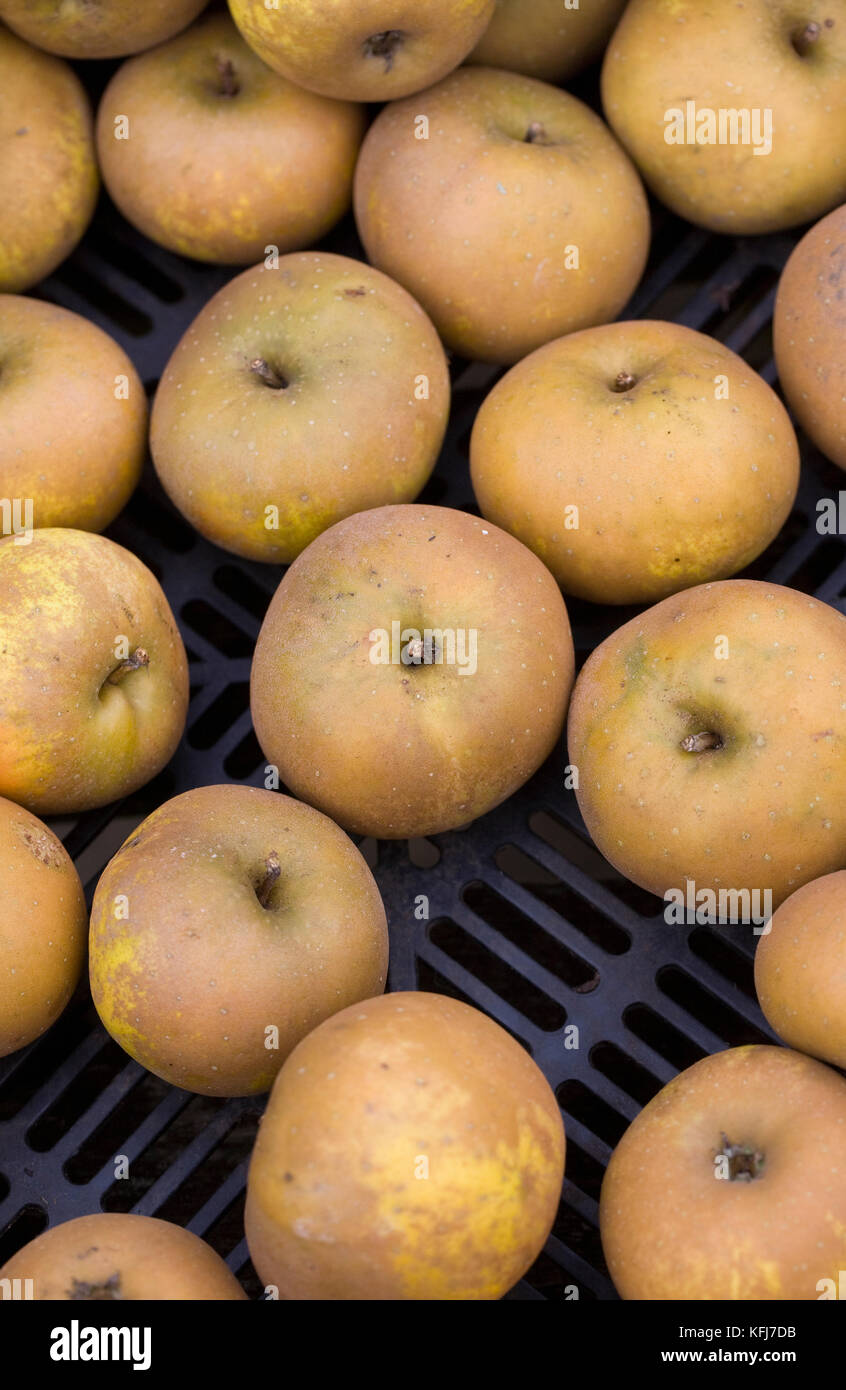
272, 871
624, 381
700, 743
229, 85
536, 134
807, 37
134, 662
267, 373
745, 1163
384, 45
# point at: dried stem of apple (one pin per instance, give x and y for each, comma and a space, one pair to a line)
745, 1163
229, 84
536, 134
134, 662
268, 374
700, 743
272, 871
623, 381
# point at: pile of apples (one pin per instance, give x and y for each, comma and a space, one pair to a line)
237, 942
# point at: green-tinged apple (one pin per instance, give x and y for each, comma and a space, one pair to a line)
122, 1257
231, 923
506, 207
413, 670
809, 334
735, 113
371, 50
635, 459
800, 969
93, 676
97, 28
42, 937
729, 1185
411, 1150
73, 418
710, 738
550, 39
214, 156
48, 163
299, 395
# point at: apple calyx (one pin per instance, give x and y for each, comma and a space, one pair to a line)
228, 80
107, 1289
134, 662
744, 1163
701, 743
623, 381
272, 871
805, 38
268, 374
384, 45
421, 652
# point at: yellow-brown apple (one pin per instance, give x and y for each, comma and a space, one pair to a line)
809, 334
93, 677
735, 114
549, 39
411, 1150
231, 923
710, 738
299, 395
44, 927
635, 459
97, 28
50, 179
729, 1185
214, 156
506, 207
374, 50
122, 1257
73, 417
800, 969
413, 670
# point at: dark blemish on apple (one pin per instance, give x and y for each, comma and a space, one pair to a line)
353, 294
108, 1289
384, 45
384, 1066
24, 130
431, 538
287, 1177
826, 733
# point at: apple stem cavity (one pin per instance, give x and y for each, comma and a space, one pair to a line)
701, 743
744, 1162
272, 871
134, 662
268, 374
804, 40
623, 381
536, 134
229, 84
384, 45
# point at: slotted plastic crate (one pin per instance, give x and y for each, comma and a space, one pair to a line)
526, 920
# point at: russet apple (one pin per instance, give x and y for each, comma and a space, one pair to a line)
214, 156
635, 459
734, 113
93, 676
50, 178
373, 50
300, 394
709, 734
800, 969
73, 417
44, 927
97, 28
809, 334
411, 1150
506, 207
412, 671
122, 1257
550, 39
729, 1184
231, 923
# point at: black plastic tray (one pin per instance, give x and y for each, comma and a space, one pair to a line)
526, 920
